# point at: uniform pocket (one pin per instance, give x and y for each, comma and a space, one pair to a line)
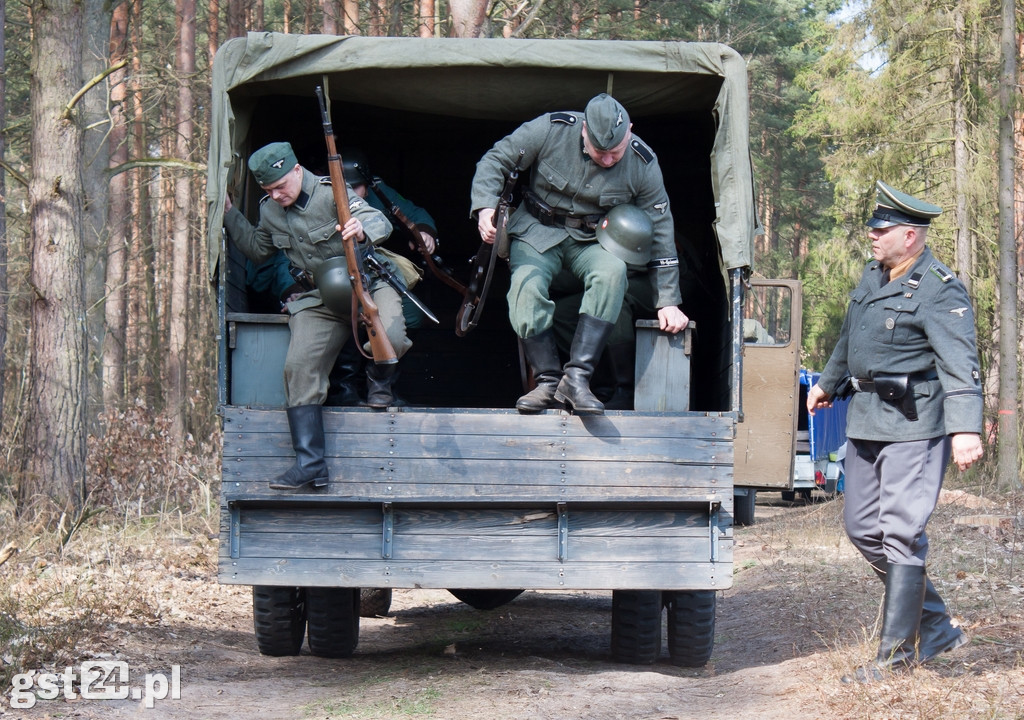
901, 318
322, 233
550, 177
282, 241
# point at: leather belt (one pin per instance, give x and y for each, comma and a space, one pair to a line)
868, 385
548, 215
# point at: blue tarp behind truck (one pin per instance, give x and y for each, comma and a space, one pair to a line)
827, 427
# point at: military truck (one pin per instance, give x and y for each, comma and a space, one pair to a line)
455, 489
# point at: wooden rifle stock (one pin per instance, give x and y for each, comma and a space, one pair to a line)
382, 350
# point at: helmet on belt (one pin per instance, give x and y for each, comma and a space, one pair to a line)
354, 166
626, 232
334, 284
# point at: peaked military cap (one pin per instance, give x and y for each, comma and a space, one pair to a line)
607, 121
272, 162
898, 208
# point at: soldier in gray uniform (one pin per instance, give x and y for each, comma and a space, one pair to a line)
583, 164
907, 351
299, 216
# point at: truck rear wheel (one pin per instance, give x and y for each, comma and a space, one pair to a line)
743, 507
332, 618
691, 626
636, 626
374, 602
486, 599
279, 619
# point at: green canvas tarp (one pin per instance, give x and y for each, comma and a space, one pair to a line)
491, 79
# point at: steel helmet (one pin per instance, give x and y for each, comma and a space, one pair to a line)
626, 232
354, 166
335, 286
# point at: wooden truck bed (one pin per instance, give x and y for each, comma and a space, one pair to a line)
443, 498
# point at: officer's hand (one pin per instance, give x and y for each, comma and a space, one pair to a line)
817, 398
967, 448
227, 202
353, 229
428, 242
485, 224
672, 319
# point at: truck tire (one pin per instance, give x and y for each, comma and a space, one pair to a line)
743, 507
486, 599
636, 626
279, 619
332, 620
374, 602
691, 626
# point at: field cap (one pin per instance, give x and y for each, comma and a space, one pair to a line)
607, 121
272, 162
898, 208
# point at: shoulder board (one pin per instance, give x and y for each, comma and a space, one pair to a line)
563, 117
943, 273
324, 179
645, 153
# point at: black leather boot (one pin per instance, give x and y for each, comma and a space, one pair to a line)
937, 633
306, 424
542, 357
346, 377
901, 622
622, 357
379, 382
587, 345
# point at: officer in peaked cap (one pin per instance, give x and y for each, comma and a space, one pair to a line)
898, 208
908, 355
583, 164
299, 216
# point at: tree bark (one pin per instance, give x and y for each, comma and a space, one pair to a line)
1009, 417
964, 254
426, 18
177, 360
96, 44
330, 13
468, 18
119, 227
55, 435
3, 205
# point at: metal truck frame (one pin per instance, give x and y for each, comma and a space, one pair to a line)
456, 490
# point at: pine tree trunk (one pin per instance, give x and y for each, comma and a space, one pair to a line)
177, 360
118, 223
3, 213
55, 435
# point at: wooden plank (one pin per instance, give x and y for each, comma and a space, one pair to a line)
487, 447
500, 422
534, 574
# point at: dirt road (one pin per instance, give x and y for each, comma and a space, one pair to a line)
800, 611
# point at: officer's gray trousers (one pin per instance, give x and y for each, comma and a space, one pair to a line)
530, 308
891, 489
317, 336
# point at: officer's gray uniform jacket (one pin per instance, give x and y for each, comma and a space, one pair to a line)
922, 323
304, 230
568, 180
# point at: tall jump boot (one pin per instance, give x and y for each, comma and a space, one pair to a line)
901, 622
306, 424
622, 357
937, 634
542, 357
380, 380
346, 376
587, 345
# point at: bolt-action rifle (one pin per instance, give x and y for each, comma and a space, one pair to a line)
408, 228
363, 306
483, 262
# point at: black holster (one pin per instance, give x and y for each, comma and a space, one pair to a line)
896, 389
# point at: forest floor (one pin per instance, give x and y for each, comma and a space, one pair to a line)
801, 613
